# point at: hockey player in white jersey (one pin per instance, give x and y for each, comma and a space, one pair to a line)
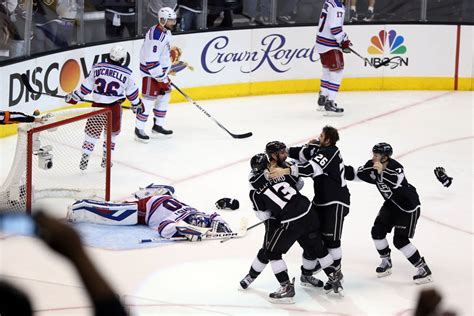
331, 41
155, 207
155, 64
110, 83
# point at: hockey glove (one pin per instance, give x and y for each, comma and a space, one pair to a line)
72, 98
345, 44
139, 108
442, 177
227, 203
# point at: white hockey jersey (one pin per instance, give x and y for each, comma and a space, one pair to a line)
330, 33
162, 212
109, 83
155, 58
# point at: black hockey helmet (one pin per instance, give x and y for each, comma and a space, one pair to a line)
383, 148
274, 147
259, 162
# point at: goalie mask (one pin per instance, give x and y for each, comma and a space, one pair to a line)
154, 189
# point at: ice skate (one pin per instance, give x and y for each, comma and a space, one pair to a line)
334, 283
321, 102
353, 16
158, 130
246, 281
424, 273
369, 16
310, 281
285, 294
140, 136
331, 109
385, 267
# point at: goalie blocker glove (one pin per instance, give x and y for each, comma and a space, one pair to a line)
227, 203
442, 177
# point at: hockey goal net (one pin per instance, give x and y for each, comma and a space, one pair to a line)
47, 159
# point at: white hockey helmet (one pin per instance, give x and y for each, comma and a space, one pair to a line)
118, 54
166, 13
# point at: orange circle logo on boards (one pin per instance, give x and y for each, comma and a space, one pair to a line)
69, 76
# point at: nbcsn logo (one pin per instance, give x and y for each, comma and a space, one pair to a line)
387, 43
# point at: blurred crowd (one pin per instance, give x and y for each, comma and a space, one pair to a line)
29, 27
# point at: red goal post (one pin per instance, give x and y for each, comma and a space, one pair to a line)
47, 157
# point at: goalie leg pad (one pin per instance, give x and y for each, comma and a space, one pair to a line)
105, 213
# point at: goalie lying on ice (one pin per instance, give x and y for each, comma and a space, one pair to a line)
154, 206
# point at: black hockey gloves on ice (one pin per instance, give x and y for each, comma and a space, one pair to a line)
442, 177
223, 203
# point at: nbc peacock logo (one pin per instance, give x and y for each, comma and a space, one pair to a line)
388, 43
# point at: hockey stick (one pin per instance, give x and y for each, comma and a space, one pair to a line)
245, 135
207, 236
386, 62
26, 83
253, 226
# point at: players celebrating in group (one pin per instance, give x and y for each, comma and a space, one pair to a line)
317, 226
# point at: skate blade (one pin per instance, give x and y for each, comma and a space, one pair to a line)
144, 141
384, 274
284, 300
333, 114
331, 292
156, 135
428, 279
309, 285
321, 108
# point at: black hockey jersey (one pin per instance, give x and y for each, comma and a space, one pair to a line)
326, 167
391, 183
7, 117
280, 196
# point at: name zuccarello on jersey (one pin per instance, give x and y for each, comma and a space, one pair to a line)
111, 73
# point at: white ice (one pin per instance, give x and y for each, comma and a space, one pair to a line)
426, 129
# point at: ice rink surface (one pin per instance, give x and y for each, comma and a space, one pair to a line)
426, 129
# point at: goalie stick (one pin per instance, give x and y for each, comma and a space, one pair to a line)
384, 63
253, 226
207, 236
245, 135
26, 83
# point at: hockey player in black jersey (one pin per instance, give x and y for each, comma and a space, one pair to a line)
289, 219
400, 210
322, 160
8, 117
